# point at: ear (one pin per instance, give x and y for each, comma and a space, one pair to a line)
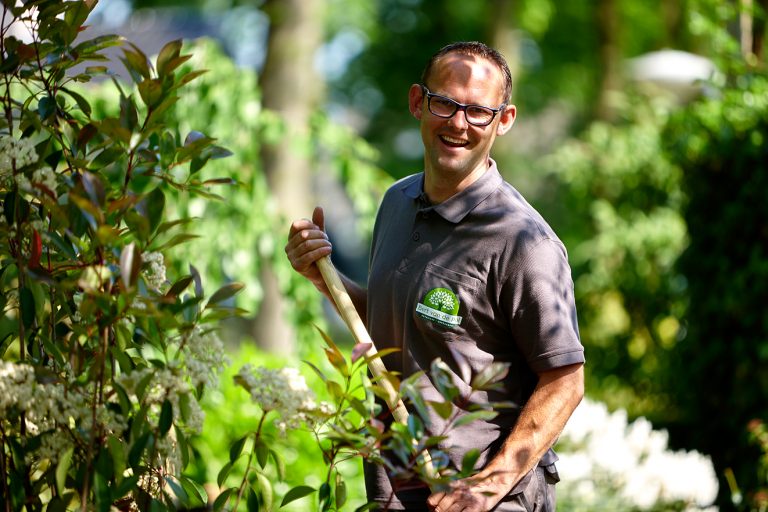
415, 100
507, 119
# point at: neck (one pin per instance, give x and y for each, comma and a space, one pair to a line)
439, 187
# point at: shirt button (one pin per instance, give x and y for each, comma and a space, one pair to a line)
415, 237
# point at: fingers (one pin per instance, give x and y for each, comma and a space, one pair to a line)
318, 217
307, 242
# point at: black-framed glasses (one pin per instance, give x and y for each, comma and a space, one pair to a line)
477, 115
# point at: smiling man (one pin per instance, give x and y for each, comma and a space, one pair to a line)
463, 269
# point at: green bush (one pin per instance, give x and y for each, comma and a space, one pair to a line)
719, 379
104, 358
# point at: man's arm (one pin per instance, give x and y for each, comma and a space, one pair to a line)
307, 243
541, 421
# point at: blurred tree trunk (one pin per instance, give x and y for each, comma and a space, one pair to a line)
610, 57
504, 36
290, 88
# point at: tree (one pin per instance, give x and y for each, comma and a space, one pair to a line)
291, 88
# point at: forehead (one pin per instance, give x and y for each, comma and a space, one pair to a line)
466, 71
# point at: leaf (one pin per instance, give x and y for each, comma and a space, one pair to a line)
62, 468
179, 286
224, 473
474, 416
279, 464
252, 503
359, 350
489, 375
341, 494
134, 455
266, 490
317, 371
225, 292
152, 207
194, 489
297, 493
136, 63
167, 55
236, 449
262, 452
443, 409
222, 499
324, 496
176, 240
98, 43
151, 91
130, 264
198, 282
46, 107
469, 461
166, 417
27, 303
85, 107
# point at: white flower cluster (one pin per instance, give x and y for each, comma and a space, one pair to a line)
43, 176
19, 151
204, 357
154, 276
54, 410
603, 458
284, 391
165, 383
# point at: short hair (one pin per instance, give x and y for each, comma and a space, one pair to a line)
477, 49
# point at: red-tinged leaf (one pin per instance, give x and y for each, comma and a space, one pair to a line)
151, 91
225, 292
359, 350
167, 54
179, 286
35, 250
130, 264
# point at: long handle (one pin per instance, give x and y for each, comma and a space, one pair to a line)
355, 323
360, 333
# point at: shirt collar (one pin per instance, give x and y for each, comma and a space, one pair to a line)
456, 207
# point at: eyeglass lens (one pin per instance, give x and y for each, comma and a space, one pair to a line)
446, 107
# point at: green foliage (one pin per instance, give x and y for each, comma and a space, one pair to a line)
104, 359
317, 456
720, 145
242, 231
620, 212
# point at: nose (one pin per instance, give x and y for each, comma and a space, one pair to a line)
459, 119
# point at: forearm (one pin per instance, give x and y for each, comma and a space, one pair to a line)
540, 423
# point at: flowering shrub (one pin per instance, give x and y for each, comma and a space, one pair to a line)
104, 358
608, 464
352, 424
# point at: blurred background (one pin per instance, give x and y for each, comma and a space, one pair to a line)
641, 137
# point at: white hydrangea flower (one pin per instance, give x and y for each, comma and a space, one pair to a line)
19, 151
204, 357
56, 411
284, 391
603, 459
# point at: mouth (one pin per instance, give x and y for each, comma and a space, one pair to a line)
453, 142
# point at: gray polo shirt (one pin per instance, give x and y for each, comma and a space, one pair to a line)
481, 274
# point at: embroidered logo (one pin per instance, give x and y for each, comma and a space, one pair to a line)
440, 305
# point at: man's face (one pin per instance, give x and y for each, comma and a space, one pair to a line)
453, 148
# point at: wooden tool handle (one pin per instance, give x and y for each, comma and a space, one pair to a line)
355, 323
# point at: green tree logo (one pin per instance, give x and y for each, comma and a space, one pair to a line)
442, 299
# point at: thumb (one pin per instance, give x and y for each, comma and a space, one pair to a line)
318, 218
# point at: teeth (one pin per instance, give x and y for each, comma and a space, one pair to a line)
452, 140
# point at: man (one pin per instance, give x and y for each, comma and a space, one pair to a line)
461, 263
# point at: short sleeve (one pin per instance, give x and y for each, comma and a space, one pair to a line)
538, 294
